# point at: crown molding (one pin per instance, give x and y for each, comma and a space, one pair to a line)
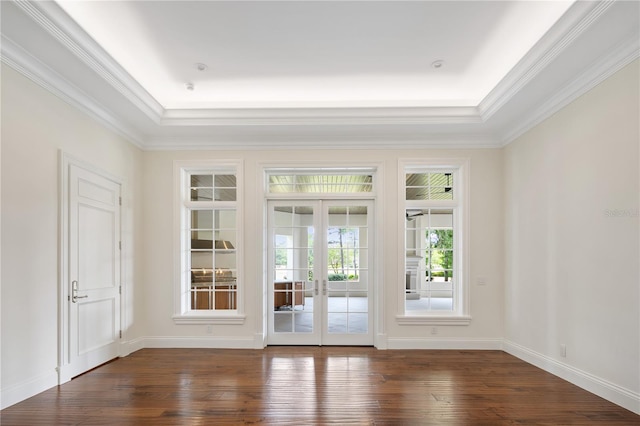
435, 127
30, 67
453, 141
326, 116
49, 16
570, 26
620, 57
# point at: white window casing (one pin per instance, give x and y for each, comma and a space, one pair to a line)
221, 202
421, 202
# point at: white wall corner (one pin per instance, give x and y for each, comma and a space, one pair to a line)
27, 388
445, 343
259, 341
130, 346
382, 341
610, 391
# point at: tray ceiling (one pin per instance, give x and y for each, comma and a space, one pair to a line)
182, 74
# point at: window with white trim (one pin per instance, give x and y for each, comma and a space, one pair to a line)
434, 284
209, 262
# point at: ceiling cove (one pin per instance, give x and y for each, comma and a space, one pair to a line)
588, 42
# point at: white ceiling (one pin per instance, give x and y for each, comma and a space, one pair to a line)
300, 54
328, 73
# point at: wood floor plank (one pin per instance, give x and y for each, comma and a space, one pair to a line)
317, 385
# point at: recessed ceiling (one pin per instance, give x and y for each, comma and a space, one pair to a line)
319, 74
316, 53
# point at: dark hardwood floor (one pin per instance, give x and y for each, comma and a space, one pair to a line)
316, 385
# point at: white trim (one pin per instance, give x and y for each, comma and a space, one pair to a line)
321, 116
432, 320
377, 168
181, 313
446, 343
626, 53
462, 167
39, 73
18, 392
570, 26
610, 391
209, 319
420, 140
64, 161
217, 342
131, 346
66, 31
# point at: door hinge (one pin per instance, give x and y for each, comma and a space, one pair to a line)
120, 200
120, 245
121, 334
120, 290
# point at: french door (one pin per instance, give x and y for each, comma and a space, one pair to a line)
320, 277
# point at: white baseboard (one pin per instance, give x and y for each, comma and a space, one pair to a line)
444, 343
201, 342
26, 389
131, 346
381, 341
607, 390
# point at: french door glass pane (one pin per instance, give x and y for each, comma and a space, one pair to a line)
292, 265
347, 264
429, 252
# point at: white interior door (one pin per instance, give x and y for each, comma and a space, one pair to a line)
320, 281
93, 298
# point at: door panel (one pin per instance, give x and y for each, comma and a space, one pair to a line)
347, 316
292, 318
319, 288
94, 270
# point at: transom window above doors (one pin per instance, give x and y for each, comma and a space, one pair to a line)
208, 282
320, 181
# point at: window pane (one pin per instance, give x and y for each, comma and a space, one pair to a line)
225, 219
202, 260
429, 186
201, 194
202, 219
225, 181
225, 260
201, 181
416, 194
321, 183
201, 239
429, 259
225, 194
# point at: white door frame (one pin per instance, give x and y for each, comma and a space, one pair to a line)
65, 161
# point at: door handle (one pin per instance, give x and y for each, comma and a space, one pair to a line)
316, 288
74, 292
324, 287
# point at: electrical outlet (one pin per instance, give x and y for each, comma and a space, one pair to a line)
481, 281
209, 329
563, 350
434, 330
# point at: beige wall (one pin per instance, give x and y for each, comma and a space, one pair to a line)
486, 244
572, 235
554, 214
35, 126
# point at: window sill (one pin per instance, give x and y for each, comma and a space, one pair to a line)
209, 318
433, 320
